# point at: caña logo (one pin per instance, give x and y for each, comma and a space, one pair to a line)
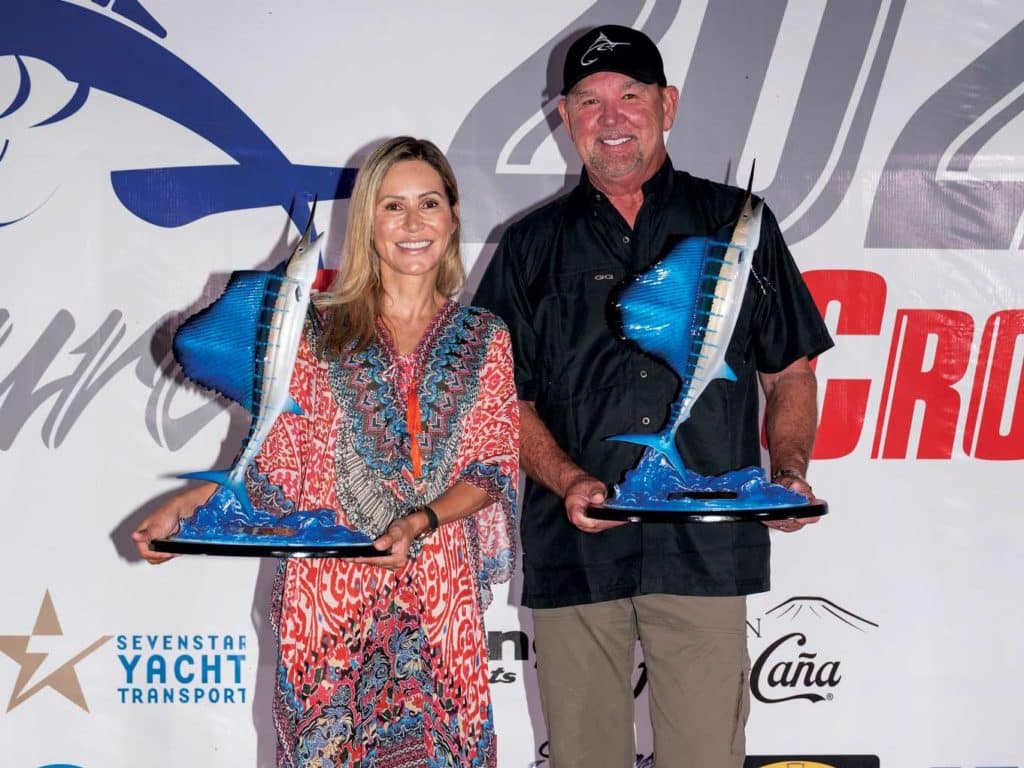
41, 665
805, 672
792, 667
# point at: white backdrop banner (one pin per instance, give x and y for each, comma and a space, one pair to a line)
150, 147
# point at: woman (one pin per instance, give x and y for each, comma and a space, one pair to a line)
410, 432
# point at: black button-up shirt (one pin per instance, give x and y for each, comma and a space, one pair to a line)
550, 280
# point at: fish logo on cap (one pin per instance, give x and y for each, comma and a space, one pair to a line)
600, 45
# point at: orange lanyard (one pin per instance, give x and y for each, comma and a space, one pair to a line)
412, 421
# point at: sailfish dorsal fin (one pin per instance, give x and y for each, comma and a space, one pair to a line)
217, 346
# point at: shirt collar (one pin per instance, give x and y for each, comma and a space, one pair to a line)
658, 186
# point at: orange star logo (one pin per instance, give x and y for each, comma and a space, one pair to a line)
63, 679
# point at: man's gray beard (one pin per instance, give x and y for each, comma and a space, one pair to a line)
599, 165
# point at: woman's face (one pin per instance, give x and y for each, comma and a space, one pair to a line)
412, 221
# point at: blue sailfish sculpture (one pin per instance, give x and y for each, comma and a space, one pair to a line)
244, 346
683, 310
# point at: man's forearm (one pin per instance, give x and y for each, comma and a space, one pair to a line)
791, 416
540, 455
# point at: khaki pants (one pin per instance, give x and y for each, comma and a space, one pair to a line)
695, 650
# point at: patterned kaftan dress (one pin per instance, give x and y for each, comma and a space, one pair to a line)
383, 669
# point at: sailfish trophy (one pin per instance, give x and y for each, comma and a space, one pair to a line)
683, 311
243, 346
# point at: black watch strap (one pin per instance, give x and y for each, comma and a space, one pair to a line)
432, 521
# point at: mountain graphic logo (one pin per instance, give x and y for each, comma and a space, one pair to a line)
821, 609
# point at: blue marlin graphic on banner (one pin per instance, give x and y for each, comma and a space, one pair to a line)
114, 50
683, 310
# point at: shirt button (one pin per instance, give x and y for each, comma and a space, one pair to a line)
643, 374
645, 420
625, 239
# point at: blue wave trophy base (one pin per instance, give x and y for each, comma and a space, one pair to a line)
689, 497
222, 527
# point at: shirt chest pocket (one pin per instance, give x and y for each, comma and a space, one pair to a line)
586, 352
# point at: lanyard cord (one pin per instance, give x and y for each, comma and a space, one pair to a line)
412, 421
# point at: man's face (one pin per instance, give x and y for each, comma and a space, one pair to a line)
617, 125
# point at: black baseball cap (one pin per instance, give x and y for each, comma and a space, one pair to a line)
613, 48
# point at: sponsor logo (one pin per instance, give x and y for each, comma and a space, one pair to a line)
817, 761
519, 644
190, 668
182, 669
793, 666
600, 45
41, 665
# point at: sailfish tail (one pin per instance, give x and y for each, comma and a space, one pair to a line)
662, 443
224, 480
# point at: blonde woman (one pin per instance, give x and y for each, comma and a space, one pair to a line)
411, 433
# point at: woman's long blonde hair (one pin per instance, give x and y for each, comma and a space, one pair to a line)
354, 301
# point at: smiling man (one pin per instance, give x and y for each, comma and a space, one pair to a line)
597, 587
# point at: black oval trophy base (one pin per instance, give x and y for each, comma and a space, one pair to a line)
197, 547
609, 511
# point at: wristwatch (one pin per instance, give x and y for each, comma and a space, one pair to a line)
432, 521
789, 473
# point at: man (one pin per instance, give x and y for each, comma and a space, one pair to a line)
596, 587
